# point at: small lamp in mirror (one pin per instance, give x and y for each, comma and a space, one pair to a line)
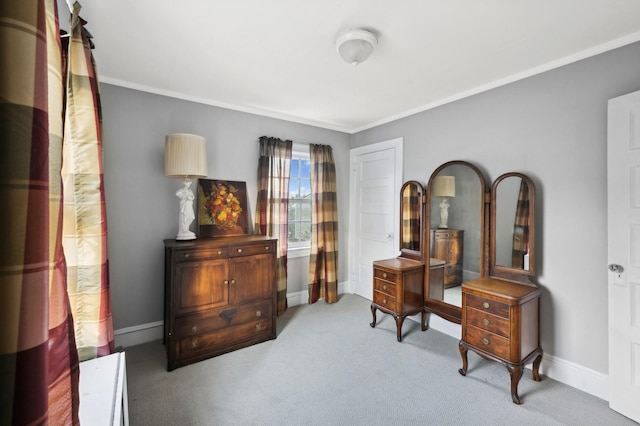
444, 187
185, 157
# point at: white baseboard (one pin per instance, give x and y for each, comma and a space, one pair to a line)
139, 334
569, 373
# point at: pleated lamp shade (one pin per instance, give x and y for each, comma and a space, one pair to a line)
185, 155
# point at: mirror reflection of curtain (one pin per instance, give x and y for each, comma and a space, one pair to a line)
521, 228
272, 206
411, 218
323, 261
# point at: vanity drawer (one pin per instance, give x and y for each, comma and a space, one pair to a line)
212, 320
488, 342
384, 300
389, 276
486, 321
487, 305
384, 287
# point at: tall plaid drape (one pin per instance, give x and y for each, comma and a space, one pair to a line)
85, 228
38, 357
521, 227
272, 207
323, 263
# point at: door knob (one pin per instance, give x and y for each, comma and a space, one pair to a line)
613, 267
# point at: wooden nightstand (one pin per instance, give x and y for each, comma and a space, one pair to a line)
501, 322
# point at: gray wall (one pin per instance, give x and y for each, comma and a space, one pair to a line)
142, 208
552, 127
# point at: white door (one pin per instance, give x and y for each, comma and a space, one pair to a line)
376, 177
623, 187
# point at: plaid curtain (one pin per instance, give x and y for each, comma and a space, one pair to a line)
38, 357
323, 263
84, 226
411, 204
521, 227
272, 207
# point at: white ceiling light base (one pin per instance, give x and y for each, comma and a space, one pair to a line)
355, 45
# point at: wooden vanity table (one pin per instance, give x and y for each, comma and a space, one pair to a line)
500, 303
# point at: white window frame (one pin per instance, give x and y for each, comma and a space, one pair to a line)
299, 249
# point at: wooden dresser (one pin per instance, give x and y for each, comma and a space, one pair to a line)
220, 295
447, 244
501, 321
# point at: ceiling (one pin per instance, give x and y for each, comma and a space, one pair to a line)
277, 58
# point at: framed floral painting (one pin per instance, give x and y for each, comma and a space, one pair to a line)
222, 208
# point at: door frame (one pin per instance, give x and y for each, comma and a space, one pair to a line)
397, 145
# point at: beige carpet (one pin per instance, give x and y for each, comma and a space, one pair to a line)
329, 367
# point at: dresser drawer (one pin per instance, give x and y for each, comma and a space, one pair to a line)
208, 321
384, 287
221, 341
487, 321
201, 254
384, 300
488, 342
251, 249
389, 276
487, 305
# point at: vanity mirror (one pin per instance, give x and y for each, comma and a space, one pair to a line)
512, 242
455, 230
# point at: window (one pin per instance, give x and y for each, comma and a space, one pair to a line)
299, 236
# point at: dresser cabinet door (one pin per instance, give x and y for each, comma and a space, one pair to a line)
201, 285
251, 278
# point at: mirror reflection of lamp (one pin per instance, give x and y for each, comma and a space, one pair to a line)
444, 187
185, 157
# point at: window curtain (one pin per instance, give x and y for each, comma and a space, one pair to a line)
84, 225
521, 227
38, 357
272, 207
323, 262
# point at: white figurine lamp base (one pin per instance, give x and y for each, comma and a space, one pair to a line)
186, 211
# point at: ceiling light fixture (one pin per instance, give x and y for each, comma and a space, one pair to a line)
355, 45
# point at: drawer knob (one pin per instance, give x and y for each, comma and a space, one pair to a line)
186, 255
384, 287
226, 282
384, 301
485, 305
194, 329
239, 250
258, 326
384, 275
219, 251
194, 343
233, 281
258, 313
485, 341
485, 321
266, 247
